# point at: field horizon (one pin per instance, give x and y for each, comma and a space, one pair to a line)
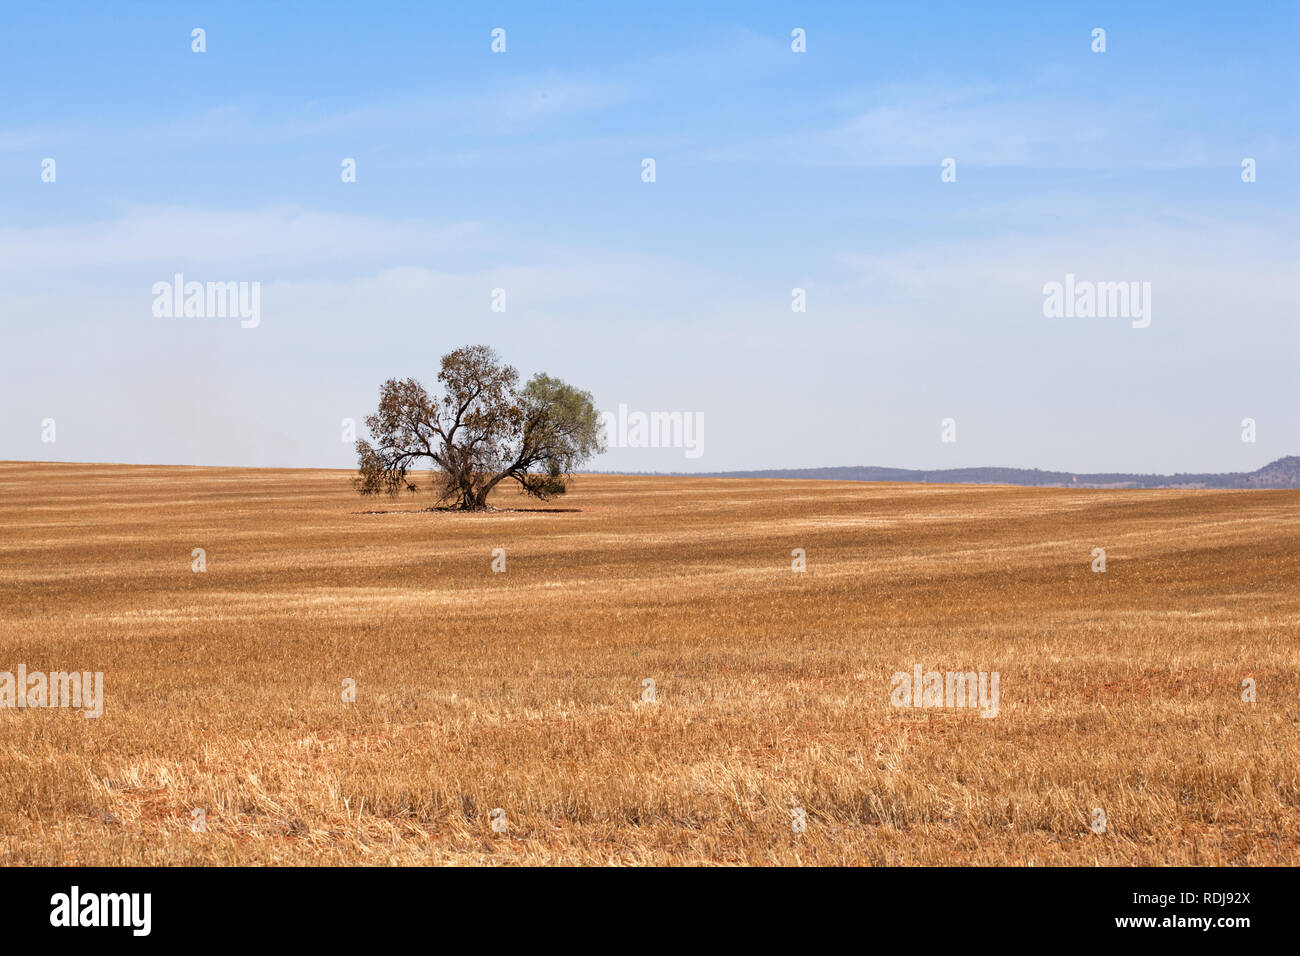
1280, 474
503, 716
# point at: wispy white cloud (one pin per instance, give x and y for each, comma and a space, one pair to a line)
509, 109
271, 239
991, 127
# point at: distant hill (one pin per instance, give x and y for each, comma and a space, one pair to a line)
1283, 473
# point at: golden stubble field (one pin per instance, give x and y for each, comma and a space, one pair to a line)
1119, 691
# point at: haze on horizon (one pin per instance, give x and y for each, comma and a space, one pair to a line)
775, 170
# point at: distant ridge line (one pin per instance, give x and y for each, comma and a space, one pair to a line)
1283, 473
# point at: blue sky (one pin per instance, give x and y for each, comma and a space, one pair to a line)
774, 170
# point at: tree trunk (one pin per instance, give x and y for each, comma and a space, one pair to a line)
473, 497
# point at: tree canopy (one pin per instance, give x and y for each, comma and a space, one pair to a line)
482, 429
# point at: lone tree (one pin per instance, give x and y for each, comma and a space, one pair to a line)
481, 430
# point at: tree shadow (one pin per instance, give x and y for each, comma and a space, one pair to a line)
458, 511
545, 511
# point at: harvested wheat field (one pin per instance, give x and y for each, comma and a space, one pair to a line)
1120, 692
